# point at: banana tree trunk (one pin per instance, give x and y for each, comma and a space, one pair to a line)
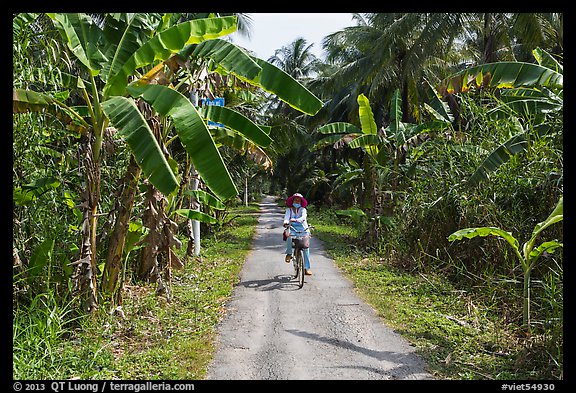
246, 191
85, 268
157, 258
152, 220
373, 228
118, 237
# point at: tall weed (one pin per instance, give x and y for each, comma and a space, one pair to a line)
39, 330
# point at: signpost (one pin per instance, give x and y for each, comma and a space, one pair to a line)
217, 101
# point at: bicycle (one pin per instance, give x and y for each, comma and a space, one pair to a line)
299, 243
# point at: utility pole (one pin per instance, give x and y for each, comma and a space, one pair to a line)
195, 206
246, 191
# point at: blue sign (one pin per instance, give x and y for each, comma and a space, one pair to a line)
217, 101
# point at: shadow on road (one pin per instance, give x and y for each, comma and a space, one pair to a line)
282, 282
401, 360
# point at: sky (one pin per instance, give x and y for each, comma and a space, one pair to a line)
271, 31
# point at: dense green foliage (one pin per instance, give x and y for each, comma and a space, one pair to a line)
457, 323
148, 337
465, 119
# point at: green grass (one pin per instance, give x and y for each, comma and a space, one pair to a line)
45, 341
458, 331
154, 338
175, 340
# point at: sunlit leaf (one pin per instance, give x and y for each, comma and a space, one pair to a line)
196, 215
128, 120
193, 134
167, 42
470, 233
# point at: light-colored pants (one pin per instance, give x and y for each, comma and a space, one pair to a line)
305, 252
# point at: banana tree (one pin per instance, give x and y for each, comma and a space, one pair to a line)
526, 90
115, 54
194, 135
189, 123
528, 255
386, 148
110, 54
232, 60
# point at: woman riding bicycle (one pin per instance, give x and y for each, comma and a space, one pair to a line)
296, 218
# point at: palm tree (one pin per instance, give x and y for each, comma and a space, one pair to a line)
296, 59
289, 131
385, 52
493, 37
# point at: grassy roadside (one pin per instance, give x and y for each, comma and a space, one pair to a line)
456, 330
151, 338
176, 340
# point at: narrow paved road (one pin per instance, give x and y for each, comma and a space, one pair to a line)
275, 331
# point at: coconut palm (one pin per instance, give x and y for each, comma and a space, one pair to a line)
492, 37
296, 59
390, 51
385, 52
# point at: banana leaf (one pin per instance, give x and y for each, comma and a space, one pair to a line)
339, 128
549, 247
527, 102
81, 35
557, 215
30, 192
207, 199
505, 75
193, 134
396, 117
367, 140
436, 107
339, 134
256, 72
366, 116
516, 144
228, 56
545, 59
230, 138
167, 42
470, 233
41, 257
499, 156
237, 122
357, 215
336, 141
196, 215
123, 38
275, 81
28, 100
126, 117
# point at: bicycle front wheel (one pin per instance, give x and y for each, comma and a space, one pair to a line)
300, 272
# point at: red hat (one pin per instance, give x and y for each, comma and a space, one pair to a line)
290, 199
